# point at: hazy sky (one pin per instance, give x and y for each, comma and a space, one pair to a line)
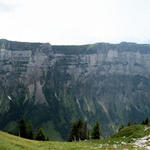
75, 21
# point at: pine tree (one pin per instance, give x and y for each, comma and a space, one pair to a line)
47, 139
146, 121
40, 135
143, 122
121, 127
73, 132
129, 123
96, 131
85, 131
88, 134
30, 130
79, 130
22, 128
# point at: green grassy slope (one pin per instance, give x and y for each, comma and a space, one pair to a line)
9, 142
135, 131
121, 140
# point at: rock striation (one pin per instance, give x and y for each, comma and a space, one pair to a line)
54, 85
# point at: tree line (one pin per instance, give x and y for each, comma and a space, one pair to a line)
79, 131
144, 122
26, 130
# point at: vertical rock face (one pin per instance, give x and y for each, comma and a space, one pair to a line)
54, 85
24, 63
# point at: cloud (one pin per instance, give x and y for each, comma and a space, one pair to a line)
75, 21
6, 7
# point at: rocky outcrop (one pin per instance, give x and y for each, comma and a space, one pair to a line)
58, 84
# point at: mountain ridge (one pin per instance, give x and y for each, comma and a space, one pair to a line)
55, 85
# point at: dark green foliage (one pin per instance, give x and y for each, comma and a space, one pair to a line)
88, 134
40, 135
22, 128
96, 131
26, 131
75, 131
30, 133
85, 131
79, 131
72, 136
129, 123
145, 122
47, 139
121, 127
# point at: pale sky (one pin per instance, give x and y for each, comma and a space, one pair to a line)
75, 21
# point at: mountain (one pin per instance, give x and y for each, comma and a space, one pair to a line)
53, 85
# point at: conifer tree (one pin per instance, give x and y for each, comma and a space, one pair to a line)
121, 127
73, 133
85, 131
47, 139
96, 131
40, 135
22, 128
30, 130
129, 123
88, 134
146, 121
143, 122
76, 131
79, 131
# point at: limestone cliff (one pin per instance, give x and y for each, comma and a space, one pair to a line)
53, 85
